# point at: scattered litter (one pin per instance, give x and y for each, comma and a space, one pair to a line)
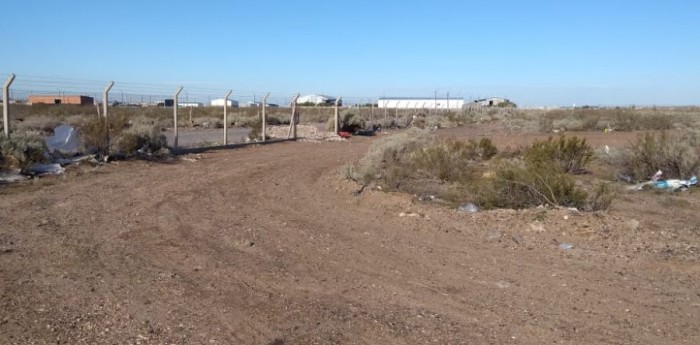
671, 185
503, 284
46, 169
518, 239
468, 207
566, 246
624, 178
403, 214
12, 177
657, 176
74, 160
64, 140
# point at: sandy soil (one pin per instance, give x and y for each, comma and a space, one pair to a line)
267, 245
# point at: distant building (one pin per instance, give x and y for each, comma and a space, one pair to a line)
490, 102
189, 104
60, 99
259, 104
420, 103
316, 99
219, 102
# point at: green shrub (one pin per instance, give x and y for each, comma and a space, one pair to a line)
603, 196
119, 135
348, 122
94, 135
138, 137
391, 158
676, 154
452, 160
568, 154
21, 152
517, 185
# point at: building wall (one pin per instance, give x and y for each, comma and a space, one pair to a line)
315, 99
220, 103
420, 103
490, 102
63, 99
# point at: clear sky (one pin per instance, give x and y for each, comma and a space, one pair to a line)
537, 53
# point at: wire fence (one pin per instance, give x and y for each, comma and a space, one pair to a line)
199, 106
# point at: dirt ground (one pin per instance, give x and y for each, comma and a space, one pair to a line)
267, 245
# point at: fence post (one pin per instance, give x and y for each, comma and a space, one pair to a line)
226, 117
337, 115
293, 119
105, 98
6, 104
177, 94
263, 130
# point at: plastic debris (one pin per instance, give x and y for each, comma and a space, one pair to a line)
64, 140
47, 169
468, 207
671, 185
12, 177
566, 246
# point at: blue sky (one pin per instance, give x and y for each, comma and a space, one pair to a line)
537, 53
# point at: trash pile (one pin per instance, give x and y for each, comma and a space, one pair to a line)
671, 185
63, 149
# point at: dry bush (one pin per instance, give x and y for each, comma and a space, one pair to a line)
390, 158
118, 135
94, 136
208, 122
138, 138
602, 197
566, 154
413, 162
677, 154
519, 185
248, 121
21, 152
38, 123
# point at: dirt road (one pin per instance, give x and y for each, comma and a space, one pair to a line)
266, 245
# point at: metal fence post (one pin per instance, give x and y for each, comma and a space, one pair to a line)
105, 98
177, 94
337, 115
293, 120
6, 104
226, 117
263, 131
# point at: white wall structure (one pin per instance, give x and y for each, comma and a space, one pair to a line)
490, 102
316, 99
219, 102
189, 104
420, 103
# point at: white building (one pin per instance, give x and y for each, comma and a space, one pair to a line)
490, 102
189, 104
219, 102
316, 99
420, 103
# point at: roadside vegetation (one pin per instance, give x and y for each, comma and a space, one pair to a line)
554, 172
